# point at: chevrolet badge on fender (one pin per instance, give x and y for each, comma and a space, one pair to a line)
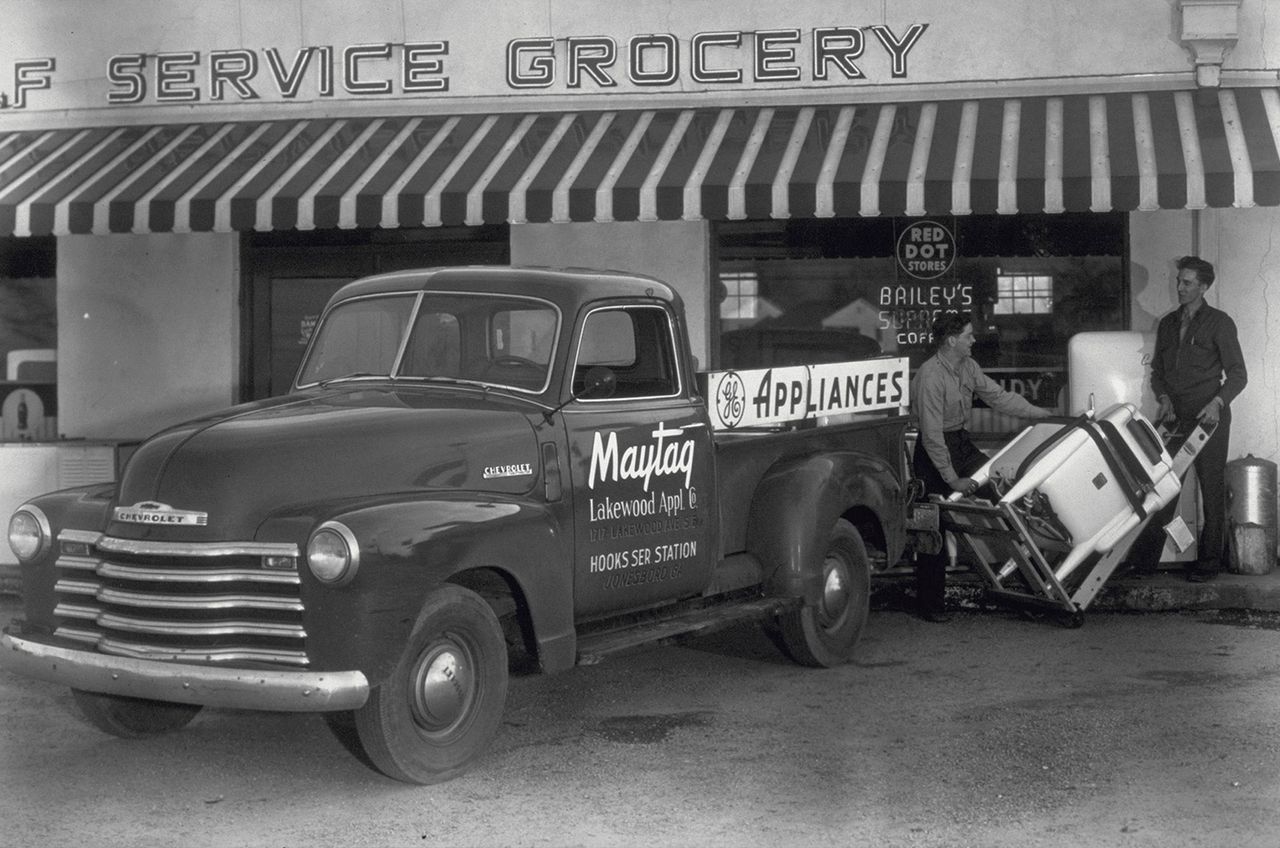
150, 512
521, 470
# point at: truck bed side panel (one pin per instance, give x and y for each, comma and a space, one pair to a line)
742, 460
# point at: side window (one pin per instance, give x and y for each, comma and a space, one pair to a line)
636, 344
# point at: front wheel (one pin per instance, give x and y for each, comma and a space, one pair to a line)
133, 718
825, 634
443, 702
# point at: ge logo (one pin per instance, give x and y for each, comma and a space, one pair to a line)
731, 399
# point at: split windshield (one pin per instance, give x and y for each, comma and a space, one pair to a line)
494, 340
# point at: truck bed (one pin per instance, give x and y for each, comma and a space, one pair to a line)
743, 457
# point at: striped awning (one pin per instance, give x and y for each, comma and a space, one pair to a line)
1143, 151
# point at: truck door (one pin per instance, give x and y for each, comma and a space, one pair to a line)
641, 465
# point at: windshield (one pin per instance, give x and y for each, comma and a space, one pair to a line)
494, 340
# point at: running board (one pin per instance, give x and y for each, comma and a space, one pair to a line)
593, 647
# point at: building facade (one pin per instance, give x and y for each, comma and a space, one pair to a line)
182, 185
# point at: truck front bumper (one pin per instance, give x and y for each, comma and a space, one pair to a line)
210, 686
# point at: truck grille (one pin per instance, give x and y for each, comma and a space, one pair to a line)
206, 603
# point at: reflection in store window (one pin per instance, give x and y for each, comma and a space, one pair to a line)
1023, 294
28, 340
742, 290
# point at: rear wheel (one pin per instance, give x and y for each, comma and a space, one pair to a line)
442, 704
133, 718
825, 634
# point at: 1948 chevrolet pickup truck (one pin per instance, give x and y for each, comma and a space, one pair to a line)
475, 465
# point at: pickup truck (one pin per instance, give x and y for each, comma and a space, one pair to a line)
477, 471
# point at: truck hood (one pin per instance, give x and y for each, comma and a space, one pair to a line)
300, 454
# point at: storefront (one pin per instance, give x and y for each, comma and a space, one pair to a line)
182, 198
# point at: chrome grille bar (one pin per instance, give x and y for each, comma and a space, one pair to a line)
133, 624
185, 628
195, 549
170, 602
194, 575
129, 649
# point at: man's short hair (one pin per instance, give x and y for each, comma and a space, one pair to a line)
948, 324
1203, 270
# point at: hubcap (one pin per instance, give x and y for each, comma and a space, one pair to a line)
835, 593
443, 686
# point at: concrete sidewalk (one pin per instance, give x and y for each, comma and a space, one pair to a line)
1169, 590
1164, 591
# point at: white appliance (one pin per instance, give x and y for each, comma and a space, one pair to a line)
1071, 501
1106, 368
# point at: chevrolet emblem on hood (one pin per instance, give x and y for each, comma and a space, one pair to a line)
150, 512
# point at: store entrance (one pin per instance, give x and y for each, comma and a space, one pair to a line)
288, 278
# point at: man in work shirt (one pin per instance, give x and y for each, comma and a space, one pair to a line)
941, 395
1197, 371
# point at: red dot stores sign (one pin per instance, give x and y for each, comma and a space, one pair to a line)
422, 66
926, 250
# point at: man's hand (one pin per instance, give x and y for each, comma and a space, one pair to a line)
1165, 412
965, 486
1211, 413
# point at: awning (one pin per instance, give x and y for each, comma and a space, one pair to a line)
1144, 151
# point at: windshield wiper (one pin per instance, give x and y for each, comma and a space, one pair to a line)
354, 375
452, 381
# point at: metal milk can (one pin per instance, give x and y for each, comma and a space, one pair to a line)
1251, 514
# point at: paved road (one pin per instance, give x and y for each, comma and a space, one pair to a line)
1135, 730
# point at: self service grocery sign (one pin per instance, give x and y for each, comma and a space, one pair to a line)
773, 396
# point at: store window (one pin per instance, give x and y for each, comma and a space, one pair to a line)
28, 340
825, 290
741, 296
1023, 294
289, 277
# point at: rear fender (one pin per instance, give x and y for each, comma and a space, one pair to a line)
798, 501
408, 549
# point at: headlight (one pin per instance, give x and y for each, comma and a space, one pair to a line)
333, 553
29, 533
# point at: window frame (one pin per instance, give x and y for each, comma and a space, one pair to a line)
674, 352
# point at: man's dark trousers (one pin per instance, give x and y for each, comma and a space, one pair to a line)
1211, 470
931, 569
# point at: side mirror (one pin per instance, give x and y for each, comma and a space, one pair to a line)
599, 382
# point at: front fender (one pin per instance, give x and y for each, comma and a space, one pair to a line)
409, 548
798, 501
83, 508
